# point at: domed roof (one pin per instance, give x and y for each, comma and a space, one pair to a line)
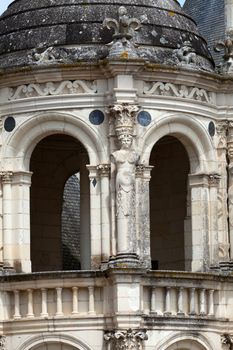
74, 31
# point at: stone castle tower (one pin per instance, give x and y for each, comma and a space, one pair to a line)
116, 182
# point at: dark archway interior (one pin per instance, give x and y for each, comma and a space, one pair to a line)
168, 200
54, 162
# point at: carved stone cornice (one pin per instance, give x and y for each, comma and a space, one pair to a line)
104, 169
126, 339
227, 339
6, 176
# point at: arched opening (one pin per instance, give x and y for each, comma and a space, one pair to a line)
187, 344
170, 211
54, 346
55, 163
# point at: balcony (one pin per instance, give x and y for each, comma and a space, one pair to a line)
93, 297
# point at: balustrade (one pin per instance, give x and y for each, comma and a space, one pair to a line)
181, 301
54, 302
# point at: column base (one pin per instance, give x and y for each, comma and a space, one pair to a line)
127, 260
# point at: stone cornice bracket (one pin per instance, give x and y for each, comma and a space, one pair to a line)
124, 29
227, 339
227, 46
124, 118
6, 176
126, 339
104, 169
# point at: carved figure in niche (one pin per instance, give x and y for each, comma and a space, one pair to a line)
125, 161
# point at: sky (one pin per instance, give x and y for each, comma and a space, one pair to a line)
5, 3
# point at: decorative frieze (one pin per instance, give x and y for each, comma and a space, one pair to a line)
67, 87
176, 90
126, 339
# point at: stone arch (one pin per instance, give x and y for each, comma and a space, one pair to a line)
35, 342
190, 132
23, 141
183, 341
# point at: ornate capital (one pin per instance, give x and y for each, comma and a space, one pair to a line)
124, 117
2, 342
214, 180
6, 176
124, 340
227, 339
104, 169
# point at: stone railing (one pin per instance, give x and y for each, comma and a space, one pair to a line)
180, 297
70, 297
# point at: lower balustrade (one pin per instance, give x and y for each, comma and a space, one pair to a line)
179, 301
53, 302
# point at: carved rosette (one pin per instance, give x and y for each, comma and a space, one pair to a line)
124, 117
126, 339
227, 339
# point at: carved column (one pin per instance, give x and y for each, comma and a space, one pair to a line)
143, 176
8, 243
222, 214
124, 162
230, 184
104, 174
95, 217
126, 339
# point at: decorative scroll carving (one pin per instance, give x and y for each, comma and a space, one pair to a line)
125, 27
52, 88
227, 339
186, 54
169, 89
2, 342
124, 340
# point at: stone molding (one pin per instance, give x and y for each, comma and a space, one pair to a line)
126, 339
67, 87
176, 90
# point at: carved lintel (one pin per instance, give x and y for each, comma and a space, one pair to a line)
126, 339
6, 176
227, 339
214, 180
104, 169
2, 342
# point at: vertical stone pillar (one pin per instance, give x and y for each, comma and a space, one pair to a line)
124, 161
222, 213
95, 217
203, 241
85, 246
229, 16
104, 174
143, 176
8, 239
230, 184
21, 220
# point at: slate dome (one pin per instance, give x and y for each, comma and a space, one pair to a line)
74, 28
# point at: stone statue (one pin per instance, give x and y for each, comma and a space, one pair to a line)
186, 54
